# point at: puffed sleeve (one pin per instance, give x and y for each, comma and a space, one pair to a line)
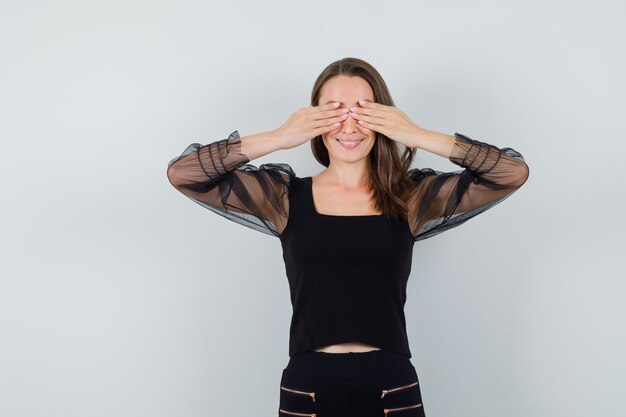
443, 200
218, 177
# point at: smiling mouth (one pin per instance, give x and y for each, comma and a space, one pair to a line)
349, 144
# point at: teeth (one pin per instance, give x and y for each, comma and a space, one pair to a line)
349, 142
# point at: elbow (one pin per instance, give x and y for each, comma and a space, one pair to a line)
522, 176
173, 176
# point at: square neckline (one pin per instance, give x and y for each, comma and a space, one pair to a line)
312, 201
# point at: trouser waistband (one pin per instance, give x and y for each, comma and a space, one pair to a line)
349, 364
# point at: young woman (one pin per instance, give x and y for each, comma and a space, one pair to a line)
347, 233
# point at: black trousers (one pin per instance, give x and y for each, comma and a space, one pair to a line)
377, 383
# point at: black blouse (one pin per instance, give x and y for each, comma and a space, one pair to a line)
347, 274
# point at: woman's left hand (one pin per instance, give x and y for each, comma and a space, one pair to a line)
388, 120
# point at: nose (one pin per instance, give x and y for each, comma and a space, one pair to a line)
350, 122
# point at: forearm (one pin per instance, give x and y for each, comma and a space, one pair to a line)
435, 142
260, 144
201, 164
502, 166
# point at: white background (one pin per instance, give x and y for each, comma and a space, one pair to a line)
121, 297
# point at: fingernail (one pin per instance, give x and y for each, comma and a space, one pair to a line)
335, 104
361, 102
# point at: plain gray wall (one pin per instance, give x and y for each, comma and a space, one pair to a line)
121, 297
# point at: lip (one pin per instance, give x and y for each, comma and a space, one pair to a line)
358, 143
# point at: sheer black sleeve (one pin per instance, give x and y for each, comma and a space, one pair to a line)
443, 200
218, 177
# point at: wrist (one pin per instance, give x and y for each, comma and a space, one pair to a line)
419, 137
278, 139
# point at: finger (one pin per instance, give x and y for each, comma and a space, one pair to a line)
334, 121
325, 114
326, 128
373, 109
372, 105
328, 106
329, 121
371, 126
322, 107
359, 113
370, 119
364, 129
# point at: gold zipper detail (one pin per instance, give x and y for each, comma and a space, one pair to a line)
297, 414
386, 391
310, 394
387, 410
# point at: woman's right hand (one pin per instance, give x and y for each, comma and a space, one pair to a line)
309, 122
